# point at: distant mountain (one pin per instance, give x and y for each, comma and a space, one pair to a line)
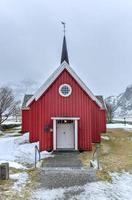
122, 103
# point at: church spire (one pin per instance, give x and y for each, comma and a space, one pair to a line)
64, 54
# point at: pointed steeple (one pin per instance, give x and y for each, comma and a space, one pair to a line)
64, 55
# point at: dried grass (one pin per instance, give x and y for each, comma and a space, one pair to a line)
115, 153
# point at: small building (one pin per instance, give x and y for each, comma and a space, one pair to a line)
64, 114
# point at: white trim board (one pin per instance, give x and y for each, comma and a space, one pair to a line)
54, 76
65, 118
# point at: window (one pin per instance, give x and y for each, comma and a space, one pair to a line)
65, 90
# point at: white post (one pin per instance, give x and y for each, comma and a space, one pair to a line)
76, 135
54, 134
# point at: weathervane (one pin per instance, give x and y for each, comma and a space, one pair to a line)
64, 26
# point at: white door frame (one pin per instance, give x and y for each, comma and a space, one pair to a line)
75, 119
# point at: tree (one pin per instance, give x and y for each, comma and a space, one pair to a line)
110, 111
7, 103
17, 110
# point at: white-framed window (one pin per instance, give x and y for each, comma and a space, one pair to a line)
65, 90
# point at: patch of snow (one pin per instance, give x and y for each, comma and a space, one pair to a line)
10, 122
11, 134
128, 119
18, 149
13, 164
105, 137
20, 180
43, 194
118, 125
1, 133
119, 189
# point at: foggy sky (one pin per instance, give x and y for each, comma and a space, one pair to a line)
99, 40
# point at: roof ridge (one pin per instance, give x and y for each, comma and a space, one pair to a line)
52, 78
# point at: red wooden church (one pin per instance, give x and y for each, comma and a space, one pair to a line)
64, 114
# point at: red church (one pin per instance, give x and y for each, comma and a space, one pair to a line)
64, 114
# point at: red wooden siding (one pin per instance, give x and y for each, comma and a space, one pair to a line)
78, 104
33, 122
95, 123
25, 121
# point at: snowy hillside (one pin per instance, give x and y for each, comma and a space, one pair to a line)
122, 103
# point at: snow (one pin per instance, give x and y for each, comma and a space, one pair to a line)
18, 150
128, 119
119, 125
119, 189
20, 180
105, 137
44, 194
13, 164
12, 120
1, 133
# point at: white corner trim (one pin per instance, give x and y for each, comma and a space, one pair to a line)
26, 108
30, 101
54, 134
76, 135
53, 77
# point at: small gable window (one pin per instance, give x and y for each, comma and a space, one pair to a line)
65, 90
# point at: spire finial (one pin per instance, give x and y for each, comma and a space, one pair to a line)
64, 26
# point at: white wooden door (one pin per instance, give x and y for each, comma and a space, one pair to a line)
65, 136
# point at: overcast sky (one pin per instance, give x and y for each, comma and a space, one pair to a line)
99, 39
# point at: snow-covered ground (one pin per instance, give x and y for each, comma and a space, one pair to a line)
128, 119
12, 120
119, 189
16, 150
127, 127
20, 181
105, 137
19, 152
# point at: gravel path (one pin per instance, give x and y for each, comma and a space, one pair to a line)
65, 178
65, 172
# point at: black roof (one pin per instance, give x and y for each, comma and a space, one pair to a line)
25, 100
101, 100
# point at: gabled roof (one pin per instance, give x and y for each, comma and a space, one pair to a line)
53, 77
25, 100
101, 99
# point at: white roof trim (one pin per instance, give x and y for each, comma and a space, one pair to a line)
53, 77
30, 101
67, 118
27, 108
